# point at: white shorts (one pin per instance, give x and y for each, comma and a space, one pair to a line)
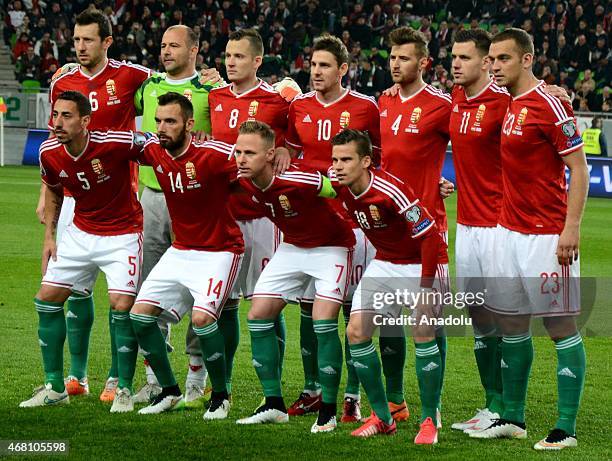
186, 279
261, 239
65, 217
81, 255
528, 279
474, 254
378, 279
363, 253
291, 269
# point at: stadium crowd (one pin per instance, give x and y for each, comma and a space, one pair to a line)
572, 37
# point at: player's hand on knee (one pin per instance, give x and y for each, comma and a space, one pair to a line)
567, 247
49, 252
447, 188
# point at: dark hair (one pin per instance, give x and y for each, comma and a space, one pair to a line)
519, 36
360, 138
81, 101
88, 17
193, 38
252, 36
406, 35
182, 101
480, 38
332, 45
260, 128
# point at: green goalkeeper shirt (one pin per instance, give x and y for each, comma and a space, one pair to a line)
145, 101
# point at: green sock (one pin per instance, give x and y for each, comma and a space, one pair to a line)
517, 357
127, 349
229, 326
308, 349
393, 355
114, 370
153, 344
442, 343
352, 378
51, 337
487, 350
213, 353
265, 355
571, 369
429, 374
369, 370
79, 320
329, 358
280, 328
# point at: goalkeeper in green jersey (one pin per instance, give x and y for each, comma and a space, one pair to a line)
179, 49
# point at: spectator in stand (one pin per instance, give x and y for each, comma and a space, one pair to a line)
302, 76
132, 50
47, 77
581, 56
371, 80
22, 45
208, 57
361, 32
47, 61
377, 19
46, 45
28, 65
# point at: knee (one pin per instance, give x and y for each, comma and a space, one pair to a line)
560, 327
52, 294
121, 303
356, 334
201, 319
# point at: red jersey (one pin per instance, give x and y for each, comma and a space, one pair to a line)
196, 185
292, 202
312, 124
538, 131
475, 132
98, 179
415, 135
229, 110
111, 95
391, 217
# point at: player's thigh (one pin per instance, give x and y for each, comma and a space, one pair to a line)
120, 258
468, 262
363, 253
74, 267
552, 289
209, 276
330, 268
156, 230
284, 276
506, 294
163, 288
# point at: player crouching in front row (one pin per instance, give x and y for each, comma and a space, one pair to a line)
407, 245
317, 245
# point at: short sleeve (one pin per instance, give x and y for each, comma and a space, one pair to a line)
292, 139
411, 209
563, 135
47, 174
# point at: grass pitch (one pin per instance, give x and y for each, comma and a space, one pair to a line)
94, 433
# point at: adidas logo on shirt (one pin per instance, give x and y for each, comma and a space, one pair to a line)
328, 370
456, 108
430, 366
256, 364
306, 119
383, 113
124, 349
71, 315
159, 169
63, 174
214, 357
388, 351
567, 372
219, 108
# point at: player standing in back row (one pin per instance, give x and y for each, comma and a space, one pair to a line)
314, 119
414, 131
248, 98
537, 239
